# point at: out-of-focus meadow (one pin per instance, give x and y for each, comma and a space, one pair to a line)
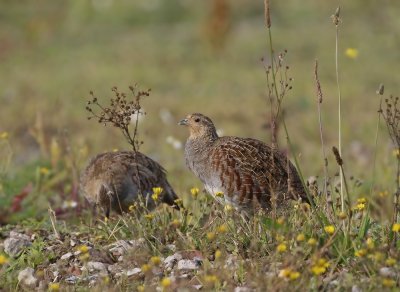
196, 56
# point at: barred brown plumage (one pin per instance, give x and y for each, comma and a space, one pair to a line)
115, 180
245, 170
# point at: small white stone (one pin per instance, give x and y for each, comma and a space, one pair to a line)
172, 260
97, 266
133, 272
387, 272
13, 246
72, 279
66, 256
27, 278
18, 235
171, 247
188, 265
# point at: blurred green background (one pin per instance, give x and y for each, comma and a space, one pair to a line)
196, 56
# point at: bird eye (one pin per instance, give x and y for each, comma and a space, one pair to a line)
197, 120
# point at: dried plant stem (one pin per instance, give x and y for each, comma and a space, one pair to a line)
53, 220
339, 161
273, 116
339, 113
380, 92
267, 16
329, 203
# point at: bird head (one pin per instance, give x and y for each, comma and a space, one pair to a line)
199, 126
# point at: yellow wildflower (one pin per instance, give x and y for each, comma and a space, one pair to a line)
132, 207
210, 236
370, 243
84, 257
157, 190
312, 241
176, 223
105, 219
294, 275
323, 262
387, 282
219, 194
320, 266
330, 229
360, 206
155, 260
140, 288
318, 270
361, 200
342, 215
210, 279
228, 208
396, 227
281, 247
300, 237
390, 261
44, 170
145, 268
223, 228
360, 253
149, 216
54, 287
166, 282
218, 254
4, 135
178, 202
154, 197
280, 220
289, 273
284, 273
351, 53
195, 192
83, 248
3, 260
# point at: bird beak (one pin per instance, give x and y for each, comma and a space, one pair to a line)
183, 122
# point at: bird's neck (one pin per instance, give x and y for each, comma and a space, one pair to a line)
203, 135
205, 139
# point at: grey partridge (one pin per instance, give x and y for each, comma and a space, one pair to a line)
116, 180
243, 172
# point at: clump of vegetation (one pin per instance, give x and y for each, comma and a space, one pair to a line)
121, 113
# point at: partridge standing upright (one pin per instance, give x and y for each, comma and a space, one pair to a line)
115, 180
243, 172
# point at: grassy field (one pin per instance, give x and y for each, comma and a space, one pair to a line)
196, 56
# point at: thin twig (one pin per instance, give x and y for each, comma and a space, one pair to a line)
53, 220
329, 202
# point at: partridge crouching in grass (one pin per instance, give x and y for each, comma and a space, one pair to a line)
242, 172
116, 180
